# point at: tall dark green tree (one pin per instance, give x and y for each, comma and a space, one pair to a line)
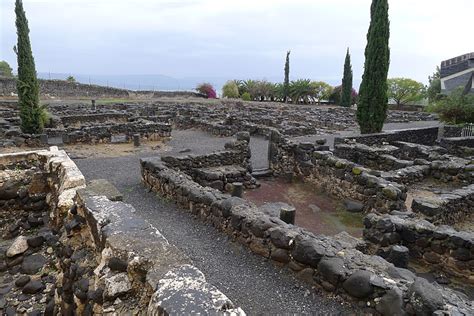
27, 83
346, 93
286, 82
372, 104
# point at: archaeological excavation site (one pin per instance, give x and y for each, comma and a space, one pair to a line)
165, 159
180, 206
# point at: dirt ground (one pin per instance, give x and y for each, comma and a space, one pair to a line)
316, 211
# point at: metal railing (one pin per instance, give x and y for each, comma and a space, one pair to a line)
467, 130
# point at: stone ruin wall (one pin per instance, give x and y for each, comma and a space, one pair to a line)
219, 169
337, 176
424, 136
95, 258
442, 247
331, 262
64, 89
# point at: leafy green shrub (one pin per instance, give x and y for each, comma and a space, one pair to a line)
246, 96
71, 79
455, 108
230, 90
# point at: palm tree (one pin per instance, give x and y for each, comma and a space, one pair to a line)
301, 91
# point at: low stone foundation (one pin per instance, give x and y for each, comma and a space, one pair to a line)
442, 247
332, 262
93, 256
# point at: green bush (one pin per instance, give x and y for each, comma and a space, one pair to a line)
455, 108
246, 96
230, 90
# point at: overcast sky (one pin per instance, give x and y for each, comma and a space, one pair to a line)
234, 39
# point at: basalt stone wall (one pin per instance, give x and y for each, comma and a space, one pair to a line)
452, 131
441, 247
337, 176
61, 88
98, 271
332, 262
378, 158
103, 134
461, 146
23, 187
94, 118
451, 208
236, 153
424, 136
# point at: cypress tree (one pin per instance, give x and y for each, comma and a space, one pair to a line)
27, 83
346, 92
286, 83
372, 104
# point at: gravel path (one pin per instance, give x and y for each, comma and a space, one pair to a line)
251, 281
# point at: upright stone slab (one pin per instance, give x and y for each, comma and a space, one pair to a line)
136, 140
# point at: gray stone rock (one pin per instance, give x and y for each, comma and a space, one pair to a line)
358, 284
399, 256
391, 303
116, 264
353, 206
332, 269
33, 263
33, 287
309, 251
117, 285
22, 281
424, 297
20, 245
185, 291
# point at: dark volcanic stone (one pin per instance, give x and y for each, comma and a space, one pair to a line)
5, 288
32, 264
36, 241
96, 296
353, 206
424, 297
391, 303
308, 251
358, 284
332, 269
3, 266
22, 281
33, 287
10, 311
49, 310
116, 264
399, 256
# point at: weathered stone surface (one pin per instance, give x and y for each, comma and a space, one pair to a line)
358, 284
309, 251
20, 245
104, 187
33, 287
184, 291
117, 285
33, 263
332, 269
353, 206
399, 256
391, 303
424, 297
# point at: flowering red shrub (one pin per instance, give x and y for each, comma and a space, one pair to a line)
335, 96
207, 89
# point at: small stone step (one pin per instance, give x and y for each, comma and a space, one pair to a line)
262, 173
